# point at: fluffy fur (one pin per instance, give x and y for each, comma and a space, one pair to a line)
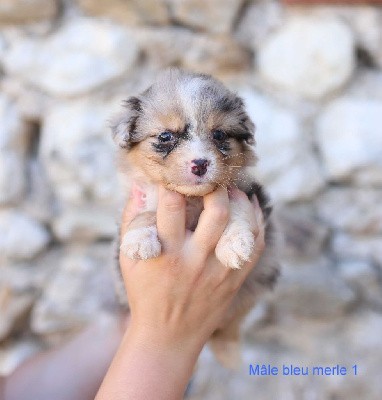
191, 134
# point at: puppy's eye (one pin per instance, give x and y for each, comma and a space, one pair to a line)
219, 135
165, 137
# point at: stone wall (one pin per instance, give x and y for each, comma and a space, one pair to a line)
312, 81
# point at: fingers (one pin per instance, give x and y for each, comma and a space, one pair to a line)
171, 219
258, 230
132, 208
212, 222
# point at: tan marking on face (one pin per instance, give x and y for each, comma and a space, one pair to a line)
169, 106
172, 121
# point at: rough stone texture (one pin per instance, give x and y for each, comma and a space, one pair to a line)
358, 247
89, 223
365, 21
11, 187
13, 310
2, 46
285, 155
22, 237
304, 236
352, 210
13, 145
303, 58
76, 151
312, 290
215, 55
164, 46
128, 11
63, 306
347, 341
216, 16
367, 85
363, 277
350, 140
14, 353
72, 53
22, 11
259, 20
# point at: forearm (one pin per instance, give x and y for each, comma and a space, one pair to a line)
73, 371
150, 366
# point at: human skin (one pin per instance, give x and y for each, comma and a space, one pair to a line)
72, 371
176, 300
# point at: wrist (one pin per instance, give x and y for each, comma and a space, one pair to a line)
164, 340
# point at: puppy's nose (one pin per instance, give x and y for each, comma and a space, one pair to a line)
199, 166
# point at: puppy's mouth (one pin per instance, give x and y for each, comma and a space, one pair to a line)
200, 188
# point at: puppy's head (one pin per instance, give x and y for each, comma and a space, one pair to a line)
188, 132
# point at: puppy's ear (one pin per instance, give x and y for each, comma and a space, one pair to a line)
249, 129
124, 125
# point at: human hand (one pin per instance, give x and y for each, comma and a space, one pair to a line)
179, 298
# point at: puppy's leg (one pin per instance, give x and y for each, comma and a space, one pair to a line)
140, 241
237, 242
225, 343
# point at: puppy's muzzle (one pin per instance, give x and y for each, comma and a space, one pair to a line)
199, 166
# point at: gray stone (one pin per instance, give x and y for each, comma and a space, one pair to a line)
260, 19
213, 54
303, 343
16, 352
77, 152
30, 102
72, 52
13, 144
304, 236
22, 237
12, 130
2, 46
362, 332
367, 85
216, 55
29, 276
286, 164
312, 290
303, 58
80, 289
357, 247
128, 11
363, 277
365, 21
216, 16
350, 141
14, 309
85, 223
352, 210
12, 177
164, 46
21, 11
38, 202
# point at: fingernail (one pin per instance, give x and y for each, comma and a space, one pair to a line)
169, 194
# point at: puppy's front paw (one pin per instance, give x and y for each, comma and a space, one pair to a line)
235, 246
141, 243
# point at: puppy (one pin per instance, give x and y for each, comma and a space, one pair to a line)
191, 134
